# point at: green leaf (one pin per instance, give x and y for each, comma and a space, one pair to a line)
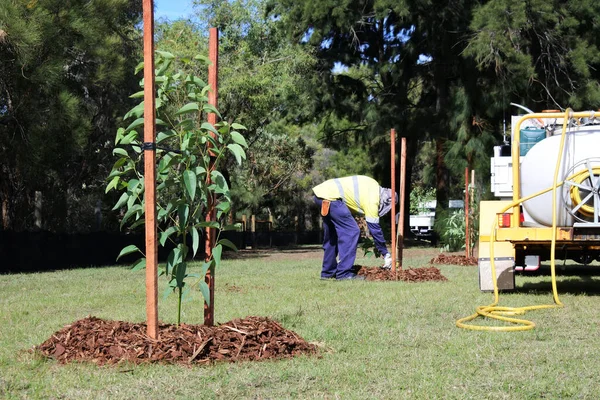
237, 151
130, 137
164, 235
205, 266
137, 95
209, 127
135, 124
232, 227
128, 250
238, 138
120, 151
180, 274
200, 57
173, 259
205, 291
122, 200
112, 184
139, 264
120, 133
136, 111
183, 212
208, 224
209, 108
133, 210
132, 185
165, 54
189, 107
239, 127
216, 253
195, 240
190, 182
165, 135
228, 243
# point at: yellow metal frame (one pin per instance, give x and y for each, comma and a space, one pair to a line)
516, 153
523, 234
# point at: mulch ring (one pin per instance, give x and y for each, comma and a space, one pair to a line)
407, 275
453, 260
110, 342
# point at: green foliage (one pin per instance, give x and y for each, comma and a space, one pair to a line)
190, 185
367, 245
65, 75
418, 197
451, 229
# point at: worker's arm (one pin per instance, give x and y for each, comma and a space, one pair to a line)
377, 235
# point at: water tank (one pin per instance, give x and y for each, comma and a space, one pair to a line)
529, 137
537, 174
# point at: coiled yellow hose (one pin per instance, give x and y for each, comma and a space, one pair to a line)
493, 311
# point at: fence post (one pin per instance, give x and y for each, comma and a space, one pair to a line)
253, 230
244, 226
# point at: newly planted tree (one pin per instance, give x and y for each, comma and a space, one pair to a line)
189, 182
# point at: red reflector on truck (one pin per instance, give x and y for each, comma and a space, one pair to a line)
504, 220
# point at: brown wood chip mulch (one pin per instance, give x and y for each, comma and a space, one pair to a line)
109, 342
453, 260
422, 274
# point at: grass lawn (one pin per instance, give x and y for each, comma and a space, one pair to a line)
381, 340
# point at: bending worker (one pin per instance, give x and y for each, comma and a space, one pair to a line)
339, 199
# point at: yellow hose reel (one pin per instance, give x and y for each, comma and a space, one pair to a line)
580, 203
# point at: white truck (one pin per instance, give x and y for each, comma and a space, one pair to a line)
421, 224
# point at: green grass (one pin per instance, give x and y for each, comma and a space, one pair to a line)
379, 339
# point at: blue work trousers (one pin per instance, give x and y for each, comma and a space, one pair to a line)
340, 238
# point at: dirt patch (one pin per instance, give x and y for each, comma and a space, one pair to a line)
422, 274
453, 260
110, 342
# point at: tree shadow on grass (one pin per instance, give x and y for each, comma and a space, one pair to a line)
585, 284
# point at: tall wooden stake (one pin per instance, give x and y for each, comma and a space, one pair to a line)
213, 55
467, 238
150, 173
393, 166
402, 199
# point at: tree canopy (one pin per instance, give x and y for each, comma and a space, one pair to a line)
318, 84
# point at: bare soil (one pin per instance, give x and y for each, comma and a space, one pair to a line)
110, 342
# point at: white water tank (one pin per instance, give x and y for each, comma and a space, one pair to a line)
581, 150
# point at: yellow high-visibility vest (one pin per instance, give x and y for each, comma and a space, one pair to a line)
359, 192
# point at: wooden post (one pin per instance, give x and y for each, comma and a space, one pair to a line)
400, 241
150, 173
393, 188
244, 229
472, 201
253, 230
467, 238
213, 55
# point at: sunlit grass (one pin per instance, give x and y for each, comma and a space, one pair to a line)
378, 339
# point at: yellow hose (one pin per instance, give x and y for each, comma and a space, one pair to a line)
493, 311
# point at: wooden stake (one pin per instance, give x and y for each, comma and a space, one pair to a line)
393, 166
150, 173
402, 200
213, 55
467, 238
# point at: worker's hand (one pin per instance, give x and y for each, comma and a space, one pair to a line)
387, 261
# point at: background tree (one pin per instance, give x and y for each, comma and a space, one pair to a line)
65, 76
